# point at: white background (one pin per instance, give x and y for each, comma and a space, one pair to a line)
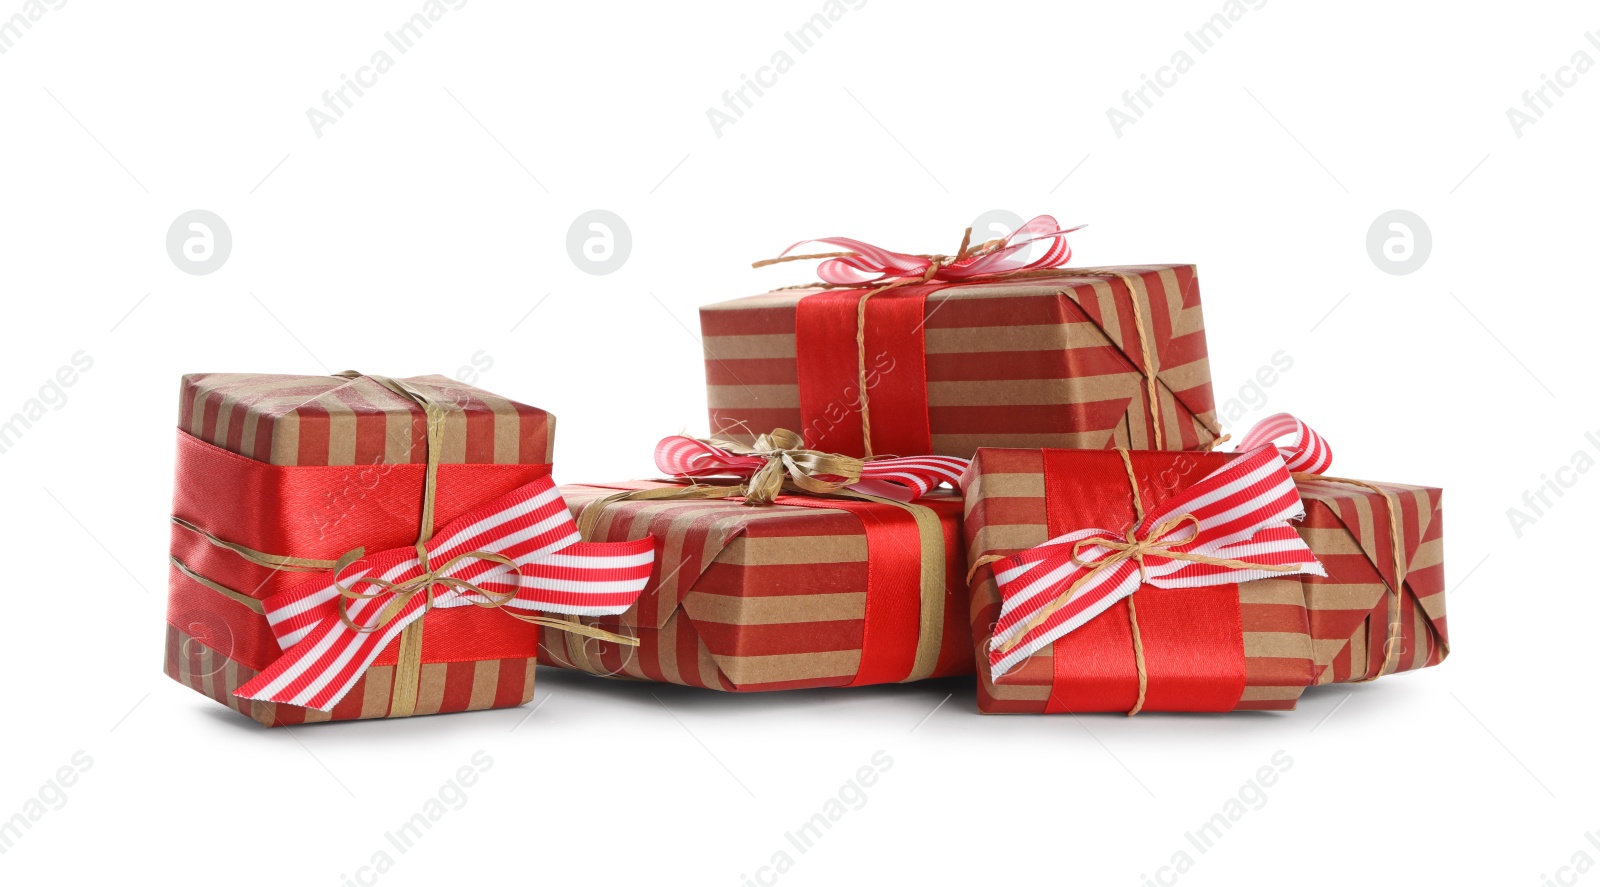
424, 225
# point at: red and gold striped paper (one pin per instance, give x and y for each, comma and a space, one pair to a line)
1051, 362
763, 598
327, 420
467, 685
1352, 609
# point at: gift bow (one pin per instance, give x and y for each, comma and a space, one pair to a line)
1230, 527
1307, 453
780, 456
864, 263
520, 551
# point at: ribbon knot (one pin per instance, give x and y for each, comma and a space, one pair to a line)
937, 263
787, 460
424, 582
1133, 548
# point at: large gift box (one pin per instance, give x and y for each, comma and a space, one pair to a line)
900, 354
321, 523
1304, 595
796, 589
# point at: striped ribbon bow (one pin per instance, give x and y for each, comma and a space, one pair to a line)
1307, 452
779, 457
868, 264
1231, 526
521, 551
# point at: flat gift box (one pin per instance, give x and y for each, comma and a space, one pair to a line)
1043, 361
809, 592
314, 466
1292, 631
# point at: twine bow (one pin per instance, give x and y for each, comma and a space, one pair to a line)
1131, 547
776, 463
425, 582
779, 460
786, 460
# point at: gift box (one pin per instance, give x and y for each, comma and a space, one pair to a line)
1360, 629
305, 558
1216, 645
1381, 608
809, 591
944, 355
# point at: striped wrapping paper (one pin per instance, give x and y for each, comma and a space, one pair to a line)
1348, 528
364, 434
1027, 363
1297, 631
466, 685
322, 420
758, 598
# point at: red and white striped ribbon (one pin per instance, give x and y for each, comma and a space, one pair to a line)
556, 572
872, 264
1242, 512
1307, 451
901, 478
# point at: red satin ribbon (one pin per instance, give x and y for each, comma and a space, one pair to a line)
892, 624
1193, 638
320, 512
828, 365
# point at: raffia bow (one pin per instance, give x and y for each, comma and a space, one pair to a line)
788, 462
778, 463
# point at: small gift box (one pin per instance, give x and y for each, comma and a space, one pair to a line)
998, 345
781, 568
1129, 581
358, 546
1374, 539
